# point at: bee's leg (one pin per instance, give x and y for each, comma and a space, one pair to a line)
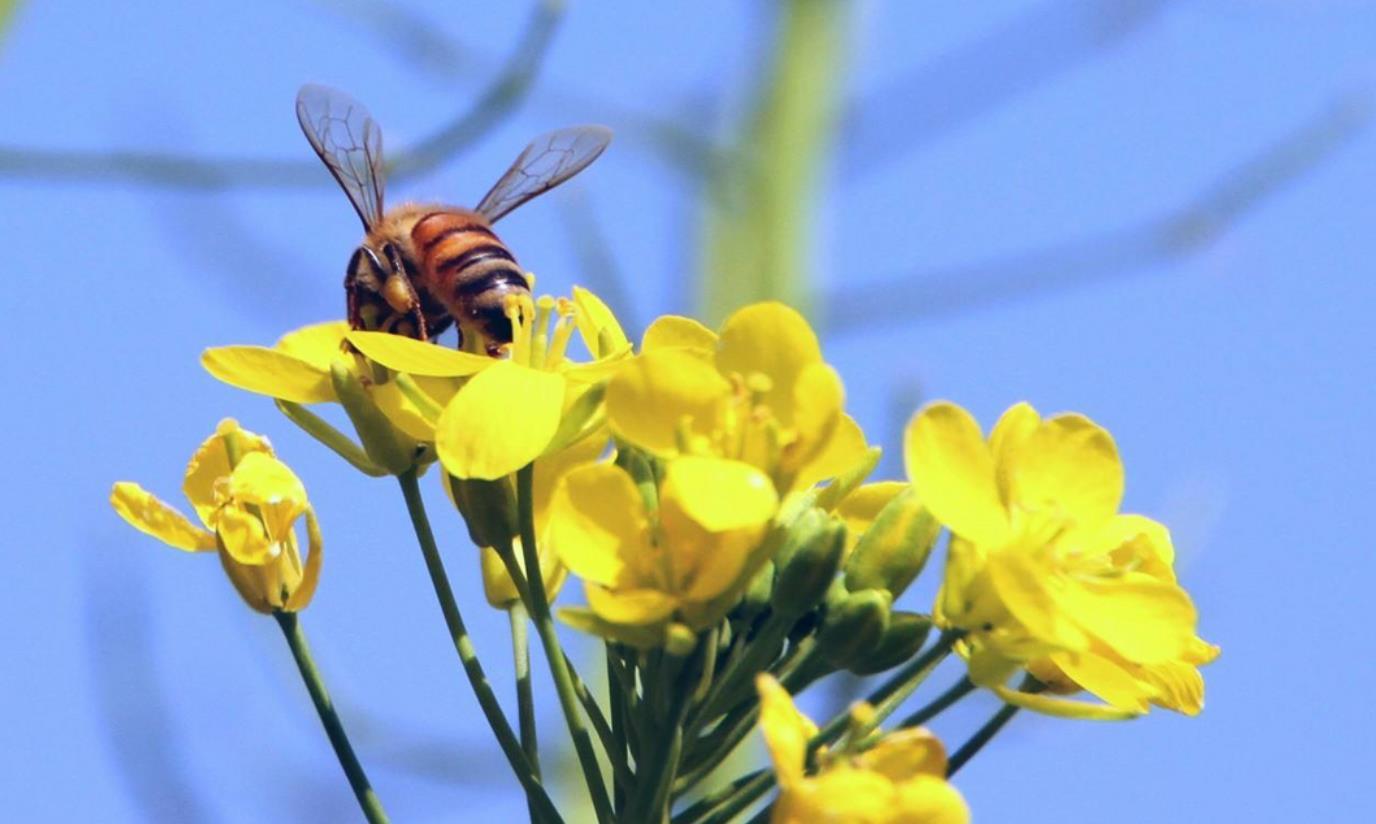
400, 294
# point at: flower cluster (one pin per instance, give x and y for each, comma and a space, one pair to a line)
712, 494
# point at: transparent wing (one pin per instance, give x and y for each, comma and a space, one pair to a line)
349, 141
548, 161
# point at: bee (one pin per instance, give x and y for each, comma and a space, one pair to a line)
424, 266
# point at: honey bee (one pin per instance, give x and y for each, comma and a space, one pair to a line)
424, 266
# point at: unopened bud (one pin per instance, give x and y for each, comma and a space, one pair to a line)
756, 597
906, 634
385, 445
807, 562
679, 640
894, 549
853, 627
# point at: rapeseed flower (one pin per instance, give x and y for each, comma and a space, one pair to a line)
1044, 573
900, 780
249, 503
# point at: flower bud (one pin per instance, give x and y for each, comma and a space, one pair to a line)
679, 640
488, 509
854, 625
757, 595
384, 444
894, 549
906, 634
807, 562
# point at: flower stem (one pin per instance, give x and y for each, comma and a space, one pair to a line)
468, 656
981, 737
525, 694
725, 803
554, 653
358, 780
940, 704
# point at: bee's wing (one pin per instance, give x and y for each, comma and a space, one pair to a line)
548, 161
349, 141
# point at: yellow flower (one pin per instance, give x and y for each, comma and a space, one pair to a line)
757, 392
510, 412
900, 780
685, 562
549, 470
249, 502
1044, 572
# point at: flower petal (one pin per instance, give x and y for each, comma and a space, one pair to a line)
150, 515
675, 332
1013, 429
772, 340
653, 394
931, 800
786, 730
269, 372
500, 421
597, 326
1063, 708
953, 471
597, 522
719, 494
319, 344
1106, 679
636, 607
210, 463
305, 589
843, 450
417, 357
1139, 617
262, 481
905, 753
1071, 464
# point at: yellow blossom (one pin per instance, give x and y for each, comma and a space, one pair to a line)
511, 411
297, 369
685, 562
900, 780
1044, 572
249, 503
758, 391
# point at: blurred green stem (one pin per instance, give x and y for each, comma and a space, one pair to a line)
334, 728
468, 656
759, 222
554, 653
525, 694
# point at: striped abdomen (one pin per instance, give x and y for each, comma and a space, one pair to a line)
465, 267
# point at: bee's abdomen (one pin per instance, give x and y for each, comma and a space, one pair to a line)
461, 254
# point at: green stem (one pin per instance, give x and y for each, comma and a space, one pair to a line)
728, 802
981, 737
525, 694
468, 656
358, 780
320, 429
554, 653
617, 698
940, 704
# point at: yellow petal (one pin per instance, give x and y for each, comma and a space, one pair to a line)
1135, 542
269, 485
1068, 464
301, 596
585, 620
1141, 618
597, 522
597, 326
653, 394
243, 537
635, 607
772, 340
675, 332
861, 507
842, 451
402, 412
149, 515
719, 494
930, 800
269, 372
319, 344
953, 471
1105, 679
500, 421
210, 463
903, 754
786, 730
1178, 685
417, 357
1030, 589
1061, 707
1013, 429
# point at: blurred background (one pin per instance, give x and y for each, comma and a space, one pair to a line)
1158, 213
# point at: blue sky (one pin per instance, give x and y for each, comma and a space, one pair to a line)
987, 140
